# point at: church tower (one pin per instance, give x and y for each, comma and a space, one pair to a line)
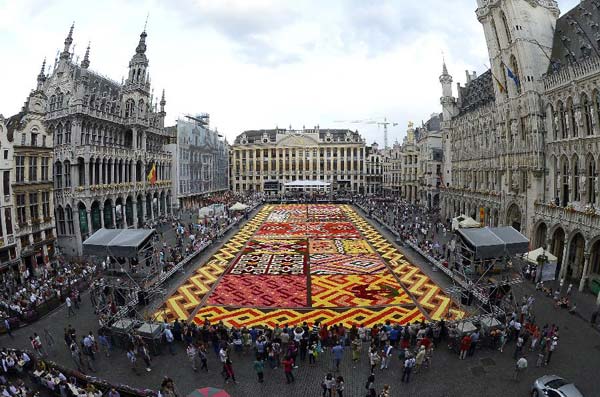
519, 36
449, 110
136, 90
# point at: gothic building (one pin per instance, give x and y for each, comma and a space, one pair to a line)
428, 141
9, 260
108, 137
521, 140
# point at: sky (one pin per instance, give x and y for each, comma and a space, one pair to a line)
255, 64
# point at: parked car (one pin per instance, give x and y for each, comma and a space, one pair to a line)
554, 386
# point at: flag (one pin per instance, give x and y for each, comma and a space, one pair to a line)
500, 86
510, 74
152, 174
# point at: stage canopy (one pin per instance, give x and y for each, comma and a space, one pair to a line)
532, 256
464, 222
494, 242
238, 207
124, 243
306, 184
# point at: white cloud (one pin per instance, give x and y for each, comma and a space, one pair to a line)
260, 63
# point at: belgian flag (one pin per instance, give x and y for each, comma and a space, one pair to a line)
152, 174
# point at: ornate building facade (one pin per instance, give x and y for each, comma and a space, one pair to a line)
263, 160
392, 166
428, 140
108, 136
200, 160
9, 260
522, 140
32, 185
408, 173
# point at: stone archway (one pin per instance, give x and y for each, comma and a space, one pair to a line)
84, 228
95, 214
129, 211
541, 233
513, 216
109, 222
119, 221
140, 211
576, 257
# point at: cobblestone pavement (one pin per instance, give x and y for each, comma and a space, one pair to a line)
488, 373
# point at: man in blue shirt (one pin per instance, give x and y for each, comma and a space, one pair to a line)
338, 352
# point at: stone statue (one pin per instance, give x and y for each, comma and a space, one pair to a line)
578, 117
582, 186
514, 128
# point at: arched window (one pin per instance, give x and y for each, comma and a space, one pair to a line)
68, 132
58, 175
59, 100
564, 129
572, 120
70, 225
575, 168
506, 29
52, 102
588, 110
495, 32
60, 214
591, 176
59, 134
67, 167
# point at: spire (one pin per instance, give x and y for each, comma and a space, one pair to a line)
444, 68
68, 41
86, 58
42, 76
162, 102
141, 47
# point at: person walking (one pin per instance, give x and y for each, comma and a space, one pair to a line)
409, 364
339, 386
520, 367
373, 359
551, 347
132, 360
145, 354
370, 386
356, 347
36, 346
169, 339
338, 352
192, 354
518, 347
202, 353
228, 367
69, 304
420, 358
8, 327
259, 367
288, 364
465, 345
385, 392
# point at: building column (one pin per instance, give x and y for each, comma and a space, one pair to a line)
114, 214
89, 221
135, 218
565, 259
102, 216
584, 275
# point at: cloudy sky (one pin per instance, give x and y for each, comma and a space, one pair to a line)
260, 63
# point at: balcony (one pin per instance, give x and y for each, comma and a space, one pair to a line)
582, 217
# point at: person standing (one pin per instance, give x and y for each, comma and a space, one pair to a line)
339, 386
385, 392
259, 367
338, 352
520, 367
145, 353
356, 347
409, 364
7, 327
327, 385
202, 353
288, 364
386, 355
75, 355
69, 304
420, 358
518, 346
373, 359
36, 346
169, 339
465, 345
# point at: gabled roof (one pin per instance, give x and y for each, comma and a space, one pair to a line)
576, 35
477, 93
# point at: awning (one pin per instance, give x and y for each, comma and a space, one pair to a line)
465, 222
307, 183
238, 207
494, 242
124, 243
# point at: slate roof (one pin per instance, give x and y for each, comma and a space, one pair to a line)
577, 35
478, 92
256, 135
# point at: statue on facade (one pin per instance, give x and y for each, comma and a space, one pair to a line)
514, 128
582, 187
578, 117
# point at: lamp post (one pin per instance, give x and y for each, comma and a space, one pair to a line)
542, 259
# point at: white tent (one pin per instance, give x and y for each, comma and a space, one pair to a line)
532, 256
464, 222
238, 207
548, 271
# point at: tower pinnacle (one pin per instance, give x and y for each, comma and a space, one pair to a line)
86, 58
68, 41
42, 76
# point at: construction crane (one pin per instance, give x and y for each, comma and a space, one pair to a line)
379, 123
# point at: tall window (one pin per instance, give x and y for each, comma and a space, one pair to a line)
70, 225
34, 139
60, 214
68, 133
8, 220
6, 183
45, 161
46, 205
33, 171
20, 163
515, 69
33, 206
67, 174
588, 110
506, 29
21, 212
495, 31
58, 175
59, 134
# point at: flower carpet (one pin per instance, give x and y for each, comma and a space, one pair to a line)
293, 263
